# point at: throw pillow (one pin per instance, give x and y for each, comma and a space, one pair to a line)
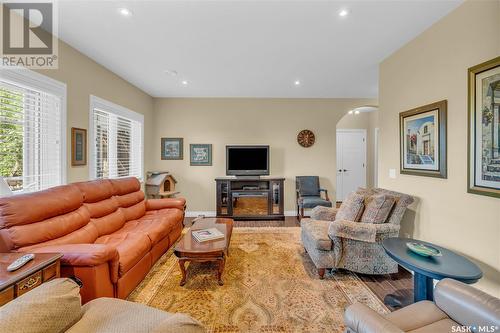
52, 307
351, 208
377, 208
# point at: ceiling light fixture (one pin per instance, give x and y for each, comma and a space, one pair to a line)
184, 83
125, 12
343, 12
297, 83
350, 112
356, 112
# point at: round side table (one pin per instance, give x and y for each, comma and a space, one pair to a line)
426, 269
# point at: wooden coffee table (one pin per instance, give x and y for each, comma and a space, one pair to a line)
189, 249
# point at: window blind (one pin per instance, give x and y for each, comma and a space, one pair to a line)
117, 145
30, 137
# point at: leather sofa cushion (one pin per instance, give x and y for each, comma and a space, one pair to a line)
102, 208
156, 228
49, 229
134, 212
110, 223
86, 235
131, 247
52, 307
130, 199
125, 185
157, 204
15, 210
96, 190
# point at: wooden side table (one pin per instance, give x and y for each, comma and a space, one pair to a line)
44, 267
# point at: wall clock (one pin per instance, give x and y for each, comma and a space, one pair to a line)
306, 138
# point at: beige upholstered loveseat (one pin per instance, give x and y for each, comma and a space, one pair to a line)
56, 307
338, 237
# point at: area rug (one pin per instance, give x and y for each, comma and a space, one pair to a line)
270, 285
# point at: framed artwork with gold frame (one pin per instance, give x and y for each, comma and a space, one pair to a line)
78, 146
484, 129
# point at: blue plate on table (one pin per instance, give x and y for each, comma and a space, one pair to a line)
423, 250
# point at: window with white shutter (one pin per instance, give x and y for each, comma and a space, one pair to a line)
32, 130
116, 141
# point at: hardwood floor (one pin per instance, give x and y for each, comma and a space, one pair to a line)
399, 284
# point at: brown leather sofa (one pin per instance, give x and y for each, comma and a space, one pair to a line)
457, 307
109, 234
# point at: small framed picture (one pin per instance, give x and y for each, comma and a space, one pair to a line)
78, 146
484, 129
201, 154
172, 148
423, 140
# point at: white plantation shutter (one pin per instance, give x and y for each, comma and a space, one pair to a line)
32, 123
116, 141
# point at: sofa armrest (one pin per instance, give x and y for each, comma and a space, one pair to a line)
361, 319
467, 305
85, 255
155, 204
365, 232
323, 213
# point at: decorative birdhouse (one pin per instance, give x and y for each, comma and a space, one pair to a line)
160, 184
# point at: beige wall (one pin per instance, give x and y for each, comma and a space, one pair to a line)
367, 121
83, 78
249, 121
430, 68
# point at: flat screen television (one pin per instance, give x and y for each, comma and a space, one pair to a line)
247, 160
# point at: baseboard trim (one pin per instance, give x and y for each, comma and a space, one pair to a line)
198, 213
210, 213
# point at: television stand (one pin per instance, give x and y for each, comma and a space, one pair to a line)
250, 198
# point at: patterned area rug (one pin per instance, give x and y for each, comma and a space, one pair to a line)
270, 285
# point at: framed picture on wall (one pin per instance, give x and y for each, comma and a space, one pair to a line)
423, 140
172, 148
484, 129
201, 154
78, 146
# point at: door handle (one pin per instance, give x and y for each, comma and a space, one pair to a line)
340, 170
345, 170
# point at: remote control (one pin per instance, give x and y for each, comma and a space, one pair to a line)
20, 262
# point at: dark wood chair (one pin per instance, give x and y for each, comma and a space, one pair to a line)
308, 194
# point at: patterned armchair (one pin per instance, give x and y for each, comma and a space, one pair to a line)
309, 194
334, 241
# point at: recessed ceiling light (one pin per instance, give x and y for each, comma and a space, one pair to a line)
125, 12
343, 12
184, 83
297, 82
356, 112
350, 112
171, 72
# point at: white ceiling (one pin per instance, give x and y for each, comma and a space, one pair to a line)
247, 48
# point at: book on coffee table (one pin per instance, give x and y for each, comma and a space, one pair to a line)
204, 235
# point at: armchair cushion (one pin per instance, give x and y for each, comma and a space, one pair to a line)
323, 213
365, 232
352, 207
311, 202
377, 208
316, 234
52, 307
361, 319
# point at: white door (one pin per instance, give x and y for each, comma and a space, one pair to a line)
351, 161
